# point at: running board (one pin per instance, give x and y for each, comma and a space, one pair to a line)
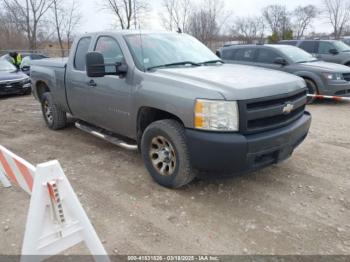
105, 135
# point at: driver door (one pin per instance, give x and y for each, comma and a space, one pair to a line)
110, 95
324, 52
266, 58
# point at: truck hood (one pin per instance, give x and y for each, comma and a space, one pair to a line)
236, 82
327, 67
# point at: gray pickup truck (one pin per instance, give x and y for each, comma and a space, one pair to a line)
170, 97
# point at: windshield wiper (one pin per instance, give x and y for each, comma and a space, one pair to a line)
174, 64
212, 62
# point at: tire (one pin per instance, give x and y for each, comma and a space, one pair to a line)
54, 117
311, 90
164, 142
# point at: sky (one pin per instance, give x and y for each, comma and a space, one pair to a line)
96, 18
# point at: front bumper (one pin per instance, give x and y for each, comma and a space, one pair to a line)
15, 89
227, 154
342, 89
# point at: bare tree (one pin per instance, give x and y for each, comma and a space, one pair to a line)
205, 24
277, 19
11, 37
338, 14
27, 14
128, 12
65, 19
249, 29
176, 15
72, 22
302, 19
58, 21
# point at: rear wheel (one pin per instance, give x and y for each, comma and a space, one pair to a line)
165, 153
311, 90
54, 117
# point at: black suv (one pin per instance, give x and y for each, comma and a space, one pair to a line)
327, 50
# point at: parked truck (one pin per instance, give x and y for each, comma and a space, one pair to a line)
171, 98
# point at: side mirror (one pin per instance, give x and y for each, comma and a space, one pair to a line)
333, 51
95, 64
280, 61
96, 67
121, 69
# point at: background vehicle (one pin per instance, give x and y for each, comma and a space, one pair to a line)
13, 81
346, 40
327, 50
169, 96
321, 77
26, 60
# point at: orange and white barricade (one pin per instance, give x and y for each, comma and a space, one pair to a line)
335, 98
56, 220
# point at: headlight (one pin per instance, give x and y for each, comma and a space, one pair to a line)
26, 82
216, 115
333, 76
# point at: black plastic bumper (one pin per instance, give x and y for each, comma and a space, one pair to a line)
14, 91
230, 153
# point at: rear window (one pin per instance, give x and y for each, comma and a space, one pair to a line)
245, 54
309, 46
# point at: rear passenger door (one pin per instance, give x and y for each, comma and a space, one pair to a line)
77, 87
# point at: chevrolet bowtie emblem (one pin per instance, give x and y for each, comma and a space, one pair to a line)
288, 109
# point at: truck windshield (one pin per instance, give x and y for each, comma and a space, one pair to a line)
296, 54
152, 51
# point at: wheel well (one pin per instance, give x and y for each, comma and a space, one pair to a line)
313, 81
148, 115
41, 88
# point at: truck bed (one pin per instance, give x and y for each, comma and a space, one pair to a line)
51, 62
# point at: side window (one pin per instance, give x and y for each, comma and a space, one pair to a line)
325, 47
110, 49
82, 49
308, 46
245, 54
267, 56
228, 54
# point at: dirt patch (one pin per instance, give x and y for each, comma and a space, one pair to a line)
300, 206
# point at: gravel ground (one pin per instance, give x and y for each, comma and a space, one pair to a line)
300, 206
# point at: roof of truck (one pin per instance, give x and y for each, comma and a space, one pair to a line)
131, 32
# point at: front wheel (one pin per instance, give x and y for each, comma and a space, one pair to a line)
311, 90
165, 154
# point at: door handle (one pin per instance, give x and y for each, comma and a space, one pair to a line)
92, 83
